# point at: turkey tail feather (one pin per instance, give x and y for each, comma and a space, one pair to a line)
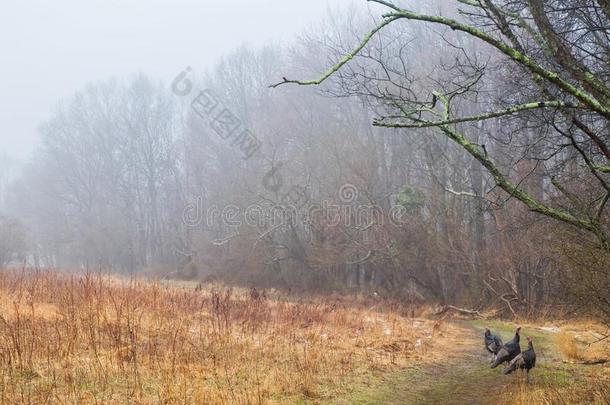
509, 369
514, 364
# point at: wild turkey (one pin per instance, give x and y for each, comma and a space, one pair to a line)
509, 351
525, 361
493, 343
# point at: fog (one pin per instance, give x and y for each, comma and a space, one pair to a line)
52, 49
321, 201
442, 158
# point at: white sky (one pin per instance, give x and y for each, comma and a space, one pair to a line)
50, 49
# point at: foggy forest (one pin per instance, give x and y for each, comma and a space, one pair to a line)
399, 202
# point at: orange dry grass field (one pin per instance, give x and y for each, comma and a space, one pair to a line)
87, 339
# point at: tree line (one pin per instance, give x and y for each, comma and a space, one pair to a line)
485, 122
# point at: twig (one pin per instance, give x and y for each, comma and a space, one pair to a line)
598, 340
343, 60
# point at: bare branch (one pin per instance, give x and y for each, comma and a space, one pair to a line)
343, 60
482, 117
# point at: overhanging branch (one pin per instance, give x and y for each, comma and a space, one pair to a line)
343, 60
522, 59
481, 117
512, 53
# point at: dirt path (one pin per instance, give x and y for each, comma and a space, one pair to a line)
463, 379
466, 378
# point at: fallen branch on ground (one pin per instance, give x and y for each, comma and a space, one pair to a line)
588, 362
465, 311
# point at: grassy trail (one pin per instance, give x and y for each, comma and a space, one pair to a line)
467, 378
463, 379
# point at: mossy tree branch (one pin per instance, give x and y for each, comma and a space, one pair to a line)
522, 59
505, 184
481, 117
343, 60
498, 15
561, 53
518, 57
515, 53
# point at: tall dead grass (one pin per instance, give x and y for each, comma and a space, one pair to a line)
568, 346
91, 338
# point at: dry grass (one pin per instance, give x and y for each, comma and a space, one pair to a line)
568, 346
583, 341
87, 339
594, 392
96, 339
564, 372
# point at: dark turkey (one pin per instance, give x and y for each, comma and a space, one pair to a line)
525, 361
493, 343
509, 351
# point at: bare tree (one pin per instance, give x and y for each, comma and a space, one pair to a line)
568, 83
12, 240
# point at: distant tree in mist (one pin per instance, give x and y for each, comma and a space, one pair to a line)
106, 167
123, 162
12, 240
